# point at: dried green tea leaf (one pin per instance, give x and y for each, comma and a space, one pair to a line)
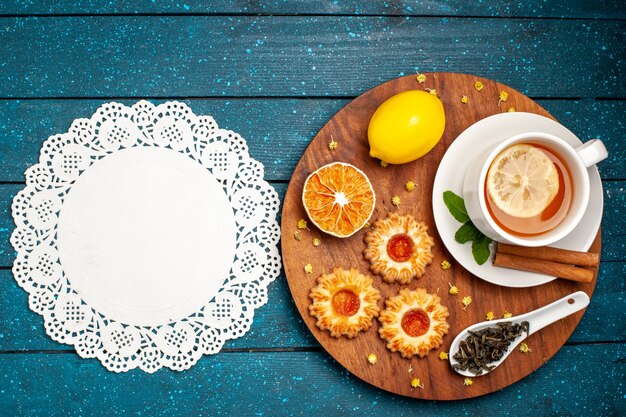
486, 346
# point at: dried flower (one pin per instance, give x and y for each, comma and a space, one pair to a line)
416, 383
504, 96
511, 109
445, 265
302, 224
464, 99
367, 225
308, 268
468, 382
409, 186
317, 241
453, 289
371, 358
466, 301
421, 78
506, 315
443, 356
332, 145
478, 85
431, 91
384, 164
489, 315
523, 347
297, 235
395, 200
410, 368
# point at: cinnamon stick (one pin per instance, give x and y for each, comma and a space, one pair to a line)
541, 266
547, 253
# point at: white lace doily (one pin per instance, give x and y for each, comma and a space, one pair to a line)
146, 236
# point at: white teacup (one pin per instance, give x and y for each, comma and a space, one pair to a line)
576, 159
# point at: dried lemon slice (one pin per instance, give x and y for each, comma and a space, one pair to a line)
522, 181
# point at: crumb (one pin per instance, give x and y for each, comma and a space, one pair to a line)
511, 109
384, 164
297, 235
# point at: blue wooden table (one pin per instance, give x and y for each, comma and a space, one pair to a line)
275, 71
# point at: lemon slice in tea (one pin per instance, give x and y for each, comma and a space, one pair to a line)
522, 181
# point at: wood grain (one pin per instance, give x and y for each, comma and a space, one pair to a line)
26, 124
288, 384
277, 325
547, 8
613, 249
349, 128
199, 56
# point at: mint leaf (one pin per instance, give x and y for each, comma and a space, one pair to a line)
467, 232
480, 249
456, 206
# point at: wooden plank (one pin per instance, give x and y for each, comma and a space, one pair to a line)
613, 245
277, 325
548, 8
297, 383
277, 130
613, 238
301, 56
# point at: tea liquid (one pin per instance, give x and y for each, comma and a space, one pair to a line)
550, 217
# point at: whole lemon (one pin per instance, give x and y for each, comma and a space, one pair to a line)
406, 127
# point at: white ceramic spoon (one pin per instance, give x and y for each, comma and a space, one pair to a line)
537, 320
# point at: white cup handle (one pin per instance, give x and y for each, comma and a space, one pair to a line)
592, 152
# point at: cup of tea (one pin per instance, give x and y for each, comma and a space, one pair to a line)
531, 189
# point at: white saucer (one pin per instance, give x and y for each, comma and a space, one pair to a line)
450, 174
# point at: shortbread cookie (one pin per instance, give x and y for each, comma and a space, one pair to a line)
398, 248
413, 322
344, 302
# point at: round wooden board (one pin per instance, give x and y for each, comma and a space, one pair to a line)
392, 372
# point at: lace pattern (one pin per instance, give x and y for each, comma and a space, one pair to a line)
180, 343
